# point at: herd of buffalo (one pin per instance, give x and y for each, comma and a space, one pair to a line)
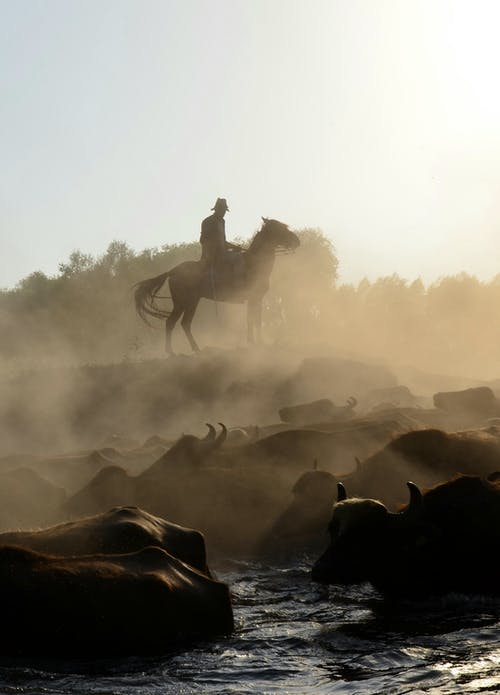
405, 498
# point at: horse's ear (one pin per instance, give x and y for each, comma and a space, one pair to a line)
265, 219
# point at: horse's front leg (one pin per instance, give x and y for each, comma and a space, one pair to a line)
254, 320
250, 321
258, 322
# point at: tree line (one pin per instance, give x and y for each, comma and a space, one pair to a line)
85, 312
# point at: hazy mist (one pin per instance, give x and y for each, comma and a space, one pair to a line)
78, 366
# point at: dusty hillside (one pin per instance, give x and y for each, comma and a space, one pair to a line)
57, 409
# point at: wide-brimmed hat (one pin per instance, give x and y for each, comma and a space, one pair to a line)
220, 203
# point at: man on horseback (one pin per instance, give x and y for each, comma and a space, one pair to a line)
216, 252
187, 281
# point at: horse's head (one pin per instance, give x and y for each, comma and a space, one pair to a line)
277, 234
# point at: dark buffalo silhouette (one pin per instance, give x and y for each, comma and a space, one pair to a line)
105, 604
475, 403
302, 525
322, 410
331, 444
114, 486
119, 530
428, 457
446, 540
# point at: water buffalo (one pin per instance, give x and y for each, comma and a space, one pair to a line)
446, 540
475, 403
105, 604
322, 410
114, 486
331, 445
300, 527
188, 451
120, 530
73, 471
231, 507
426, 456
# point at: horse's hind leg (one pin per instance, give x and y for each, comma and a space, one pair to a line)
169, 327
187, 319
250, 322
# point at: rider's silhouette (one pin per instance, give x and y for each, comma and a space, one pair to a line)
213, 235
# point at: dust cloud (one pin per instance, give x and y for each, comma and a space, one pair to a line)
83, 380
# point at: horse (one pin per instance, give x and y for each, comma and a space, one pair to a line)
188, 284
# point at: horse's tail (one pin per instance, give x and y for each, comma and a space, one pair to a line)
145, 297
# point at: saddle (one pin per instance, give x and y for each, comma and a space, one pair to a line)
225, 280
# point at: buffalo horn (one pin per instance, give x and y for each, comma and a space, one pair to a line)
210, 436
415, 500
413, 506
222, 435
341, 492
415, 496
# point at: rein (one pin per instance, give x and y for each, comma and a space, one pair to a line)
284, 252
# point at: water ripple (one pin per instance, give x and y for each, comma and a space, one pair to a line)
295, 637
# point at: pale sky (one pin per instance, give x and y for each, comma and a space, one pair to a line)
377, 121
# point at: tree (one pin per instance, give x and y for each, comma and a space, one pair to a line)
78, 263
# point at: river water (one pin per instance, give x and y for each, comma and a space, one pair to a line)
293, 636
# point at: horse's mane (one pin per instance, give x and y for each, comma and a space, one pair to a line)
265, 222
254, 237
